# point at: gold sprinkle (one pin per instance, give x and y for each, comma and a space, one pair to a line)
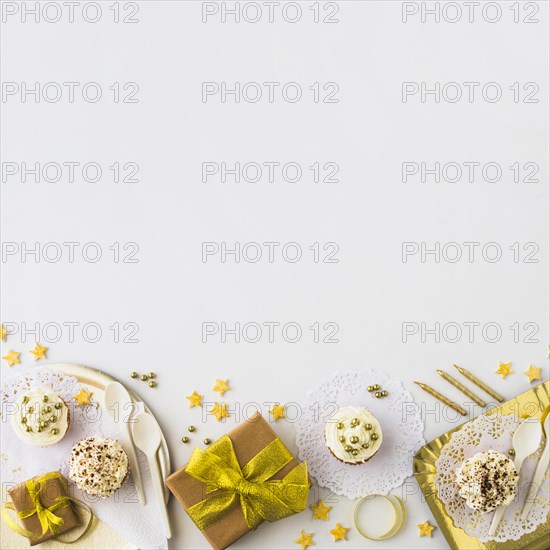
53, 418
368, 427
25, 400
55, 431
354, 439
355, 452
378, 395
152, 384
58, 405
384, 393
374, 436
42, 424
348, 448
207, 441
191, 428
512, 452
134, 374
48, 409
185, 439
29, 429
365, 445
45, 399
376, 387
342, 439
340, 426
152, 375
24, 420
143, 377
31, 409
370, 389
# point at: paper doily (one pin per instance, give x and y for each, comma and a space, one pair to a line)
399, 418
140, 524
482, 434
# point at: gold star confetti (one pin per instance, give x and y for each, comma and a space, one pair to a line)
321, 510
12, 358
221, 386
4, 333
278, 411
220, 411
425, 529
305, 540
533, 373
195, 399
339, 532
504, 369
83, 397
39, 351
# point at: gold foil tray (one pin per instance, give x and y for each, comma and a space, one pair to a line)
532, 403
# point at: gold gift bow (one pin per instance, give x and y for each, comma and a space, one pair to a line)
260, 498
48, 520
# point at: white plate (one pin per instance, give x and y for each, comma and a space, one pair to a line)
99, 380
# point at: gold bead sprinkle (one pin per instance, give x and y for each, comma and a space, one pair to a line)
45, 399
47, 409
29, 429
152, 375
376, 387
58, 405
152, 384
512, 452
368, 427
374, 436
25, 400
348, 448
384, 393
191, 428
42, 424
378, 395
370, 389
185, 439
134, 374
143, 377
365, 445
24, 420
340, 426
355, 452
342, 439
53, 418
31, 409
207, 441
55, 431
354, 439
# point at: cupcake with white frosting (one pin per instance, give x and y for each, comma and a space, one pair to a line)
353, 435
487, 480
41, 417
99, 466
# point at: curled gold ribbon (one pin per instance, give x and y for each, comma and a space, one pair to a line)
48, 520
260, 498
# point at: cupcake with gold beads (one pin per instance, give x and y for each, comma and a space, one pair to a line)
353, 435
41, 418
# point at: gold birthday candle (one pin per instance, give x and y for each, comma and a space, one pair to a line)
479, 383
461, 387
442, 398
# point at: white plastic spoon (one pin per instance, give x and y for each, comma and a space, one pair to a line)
120, 406
539, 472
525, 441
147, 438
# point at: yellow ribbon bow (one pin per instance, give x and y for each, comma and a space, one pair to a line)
260, 498
48, 520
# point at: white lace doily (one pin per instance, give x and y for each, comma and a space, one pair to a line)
399, 418
140, 524
482, 434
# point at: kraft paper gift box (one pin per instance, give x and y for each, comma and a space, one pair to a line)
251, 439
50, 487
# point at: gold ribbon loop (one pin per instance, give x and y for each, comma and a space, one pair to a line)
261, 498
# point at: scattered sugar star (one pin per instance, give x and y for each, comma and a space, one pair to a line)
4, 333
278, 411
533, 373
220, 411
339, 532
39, 351
83, 397
221, 386
195, 399
321, 510
305, 540
12, 358
425, 529
504, 369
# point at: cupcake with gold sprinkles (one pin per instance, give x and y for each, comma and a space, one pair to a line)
41, 417
353, 435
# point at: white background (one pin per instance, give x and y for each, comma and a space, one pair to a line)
170, 292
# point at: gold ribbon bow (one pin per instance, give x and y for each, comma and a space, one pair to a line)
48, 520
260, 498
